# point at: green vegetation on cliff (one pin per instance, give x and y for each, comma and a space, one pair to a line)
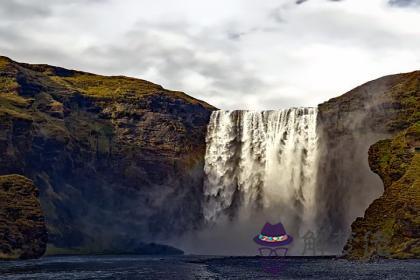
15, 76
115, 158
23, 232
390, 227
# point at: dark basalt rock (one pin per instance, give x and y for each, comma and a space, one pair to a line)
110, 155
23, 233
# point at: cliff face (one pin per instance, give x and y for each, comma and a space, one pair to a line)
348, 126
23, 233
391, 225
115, 158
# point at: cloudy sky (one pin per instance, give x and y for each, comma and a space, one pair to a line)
235, 54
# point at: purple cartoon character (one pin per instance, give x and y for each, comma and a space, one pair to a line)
272, 240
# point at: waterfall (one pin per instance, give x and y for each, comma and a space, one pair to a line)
262, 165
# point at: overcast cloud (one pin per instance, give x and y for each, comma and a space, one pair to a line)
236, 54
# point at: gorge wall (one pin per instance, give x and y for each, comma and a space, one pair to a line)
305, 167
390, 227
115, 158
348, 126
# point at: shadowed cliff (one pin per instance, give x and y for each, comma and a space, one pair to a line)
115, 158
390, 227
348, 126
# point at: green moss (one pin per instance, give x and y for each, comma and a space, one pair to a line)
407, 93
21, 219
4, 62
9, 100
388, 227
53, 250
395, 214
391, 158
4, 112
8, 85
106, 87
14, 106
62, 82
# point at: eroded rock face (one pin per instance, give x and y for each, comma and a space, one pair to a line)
23, 233
348, 125
115, 158
390, 227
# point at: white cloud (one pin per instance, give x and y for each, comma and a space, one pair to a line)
233, 54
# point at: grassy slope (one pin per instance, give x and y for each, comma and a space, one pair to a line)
95, 86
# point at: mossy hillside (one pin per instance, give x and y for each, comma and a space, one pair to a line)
391, 158
391, 102
14, 105
391, 225
47, 91
386, 111
8, 85
347, 127
3, 62
109, 154
51, 92
406, 96
98, 86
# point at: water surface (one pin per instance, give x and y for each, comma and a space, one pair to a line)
202, 267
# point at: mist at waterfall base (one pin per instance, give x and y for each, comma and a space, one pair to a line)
260, 167
265, 166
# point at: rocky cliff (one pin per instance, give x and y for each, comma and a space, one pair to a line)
23, 233
390, 227
348, 127
115, 158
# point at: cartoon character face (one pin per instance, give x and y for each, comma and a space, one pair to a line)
272, 252
272, 240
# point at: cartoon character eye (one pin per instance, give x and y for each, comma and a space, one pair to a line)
280, 251
266, 252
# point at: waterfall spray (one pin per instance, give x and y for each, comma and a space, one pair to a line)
262, 164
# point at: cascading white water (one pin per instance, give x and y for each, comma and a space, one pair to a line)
262, 162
